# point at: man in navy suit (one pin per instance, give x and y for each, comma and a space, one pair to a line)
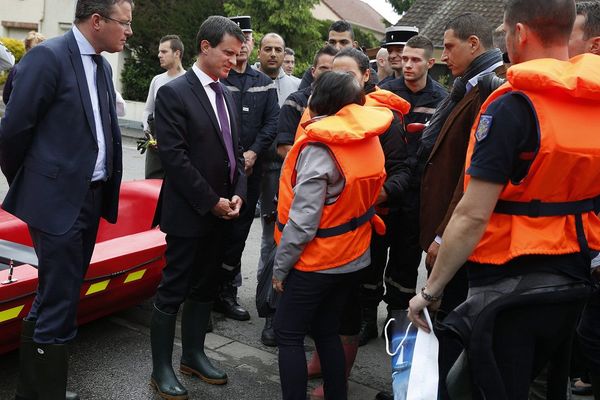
60, 150
203, 190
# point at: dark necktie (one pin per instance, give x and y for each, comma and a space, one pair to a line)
102, 88
225, 128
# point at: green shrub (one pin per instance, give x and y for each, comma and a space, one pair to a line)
17, 48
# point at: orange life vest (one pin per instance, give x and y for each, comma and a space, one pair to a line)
544, 213
377, 98
344, 232
385, 98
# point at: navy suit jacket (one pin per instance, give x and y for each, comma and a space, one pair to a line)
194, 157
48, 145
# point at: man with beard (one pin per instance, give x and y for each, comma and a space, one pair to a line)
340, 36
270, 56
294, 106
527, 220
469, 54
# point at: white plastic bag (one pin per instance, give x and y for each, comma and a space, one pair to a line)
414, 358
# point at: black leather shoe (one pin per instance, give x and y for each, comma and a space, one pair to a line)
227, 304
384, 396
267, 337
368, 326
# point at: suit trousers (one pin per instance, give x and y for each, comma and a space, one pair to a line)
240, 228
192, 269
63, 263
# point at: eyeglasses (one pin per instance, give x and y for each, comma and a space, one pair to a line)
124, 24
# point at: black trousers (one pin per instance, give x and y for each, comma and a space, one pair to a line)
589, 332
400, 269
528, 338
314, 301
63, 261
192, 269
240, 228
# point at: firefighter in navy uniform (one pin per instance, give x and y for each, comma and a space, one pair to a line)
524, 223
423, 94
255, 98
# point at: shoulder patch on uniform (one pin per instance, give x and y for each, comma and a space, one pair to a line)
485, 123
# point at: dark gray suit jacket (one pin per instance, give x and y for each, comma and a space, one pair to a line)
48, 145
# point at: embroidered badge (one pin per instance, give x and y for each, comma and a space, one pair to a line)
485, 123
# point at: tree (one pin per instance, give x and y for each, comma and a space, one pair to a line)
152, 20
292, 19
401, 6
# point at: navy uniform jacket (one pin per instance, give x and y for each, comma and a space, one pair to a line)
291, 112
255, 97
48, 145
422, 106
422, 103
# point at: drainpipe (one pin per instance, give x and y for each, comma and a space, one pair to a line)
40, 25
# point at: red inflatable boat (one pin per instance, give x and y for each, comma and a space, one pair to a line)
125, 269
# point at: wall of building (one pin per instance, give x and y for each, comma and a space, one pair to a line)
51, 18
17, 17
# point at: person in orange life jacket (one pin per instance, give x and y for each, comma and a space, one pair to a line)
585, 38
330, 181
524, 224
294, 106
393, 142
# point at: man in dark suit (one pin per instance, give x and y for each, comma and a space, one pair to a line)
202, 192
60, 150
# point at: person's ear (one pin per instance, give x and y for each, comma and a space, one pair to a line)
595, 45
204, 46
521, 33
474, 43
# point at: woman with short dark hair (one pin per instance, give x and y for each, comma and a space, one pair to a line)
329, 183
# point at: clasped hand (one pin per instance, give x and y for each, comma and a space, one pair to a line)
228, 209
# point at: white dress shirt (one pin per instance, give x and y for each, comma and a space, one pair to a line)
87, 51
206, 80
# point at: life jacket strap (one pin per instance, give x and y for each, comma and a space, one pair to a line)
346, 227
